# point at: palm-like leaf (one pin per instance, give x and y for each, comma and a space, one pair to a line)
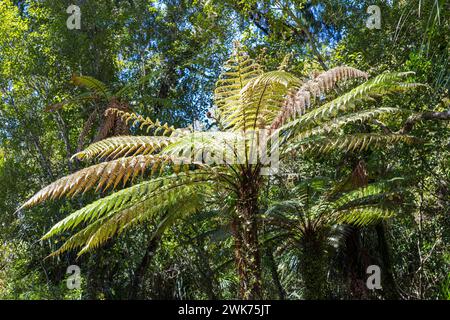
350, 101
239, 71
349, 142
129, 197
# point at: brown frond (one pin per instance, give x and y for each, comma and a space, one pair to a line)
86, 128
102, 176
142, 122
113, 124
298, 100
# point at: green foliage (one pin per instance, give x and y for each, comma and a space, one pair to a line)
172, 230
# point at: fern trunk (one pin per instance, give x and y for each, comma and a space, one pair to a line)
139, 273
390, 288
313, 266
356, 262
247, 255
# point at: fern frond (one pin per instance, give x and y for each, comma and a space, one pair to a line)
124, 146
350, 142
300, 99
102, 176
155, 189
205, 146
380, 85
339, 122
261, 99
78, 239
351, 197
239, 70
183, 201
179, 198
138, 120
378, 192
364, 216
93, 84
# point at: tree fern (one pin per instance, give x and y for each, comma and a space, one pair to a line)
349, 142
248, 100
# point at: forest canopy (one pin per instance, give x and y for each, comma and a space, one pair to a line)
224, 149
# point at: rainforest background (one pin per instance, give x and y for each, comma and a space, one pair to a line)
169, 54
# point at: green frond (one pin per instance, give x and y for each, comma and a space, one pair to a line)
339, 122
173, 196
128, 197
137, 120
355, 196
378, 192
93, 84
124, 146
205, 147
350, 142
102, 176
86, 96
239, 70
364, 216
186, 206
314, 204
183, 201
78, 239
348, 102
261, 99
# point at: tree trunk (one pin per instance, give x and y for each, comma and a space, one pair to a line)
139, 273
355, 253
245, 230
390, 289
274, 272
209, 282
313, 266
355, 265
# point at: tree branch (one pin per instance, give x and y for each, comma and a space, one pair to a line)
430, 115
